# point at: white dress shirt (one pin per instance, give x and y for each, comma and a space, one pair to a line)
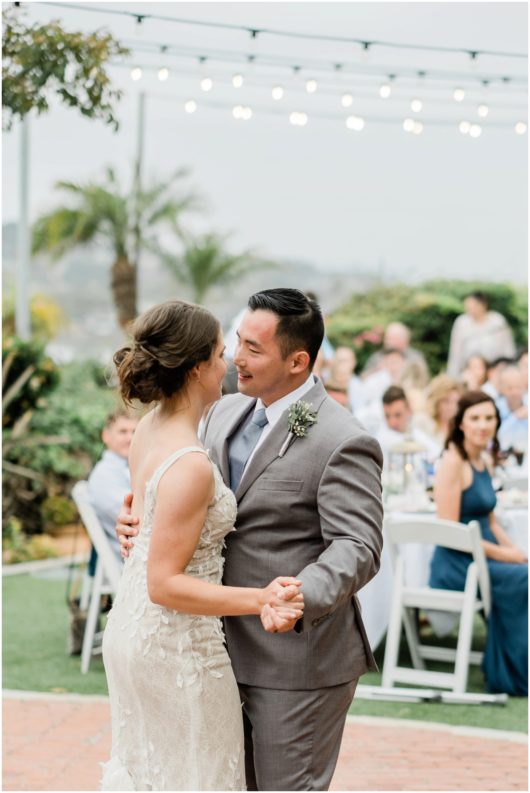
275, 410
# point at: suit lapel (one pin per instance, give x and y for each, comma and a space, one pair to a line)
272, 444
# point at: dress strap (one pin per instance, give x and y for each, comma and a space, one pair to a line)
168, 462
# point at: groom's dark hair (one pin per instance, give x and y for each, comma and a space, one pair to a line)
300, 325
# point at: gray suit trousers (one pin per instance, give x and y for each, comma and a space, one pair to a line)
292, 738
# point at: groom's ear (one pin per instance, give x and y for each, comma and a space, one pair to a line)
300, 361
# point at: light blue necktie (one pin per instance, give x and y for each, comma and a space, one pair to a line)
243, 445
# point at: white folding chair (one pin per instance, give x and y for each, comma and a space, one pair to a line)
106, 577
516, 482
406, 599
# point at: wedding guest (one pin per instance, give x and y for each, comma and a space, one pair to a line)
342, 371
478, 331
337, 392
474, 374
399, 425
391, 371
441, 400
522, 363
513, 409
463, 491
110, 479
397, 337
494, 370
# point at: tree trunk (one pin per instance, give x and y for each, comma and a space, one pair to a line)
124, 288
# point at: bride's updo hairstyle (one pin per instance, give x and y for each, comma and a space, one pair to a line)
168, 340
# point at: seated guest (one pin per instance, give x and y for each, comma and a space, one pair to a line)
493, 376
338, 392
397, 337
463, 492
110, 480
441, 400
474, 374
398, 425
513, 409
522, 364
342, 371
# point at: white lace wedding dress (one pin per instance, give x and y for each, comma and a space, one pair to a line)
176, 711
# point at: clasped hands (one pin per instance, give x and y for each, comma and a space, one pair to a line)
282, 600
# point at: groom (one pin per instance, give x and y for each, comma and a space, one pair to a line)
310, 507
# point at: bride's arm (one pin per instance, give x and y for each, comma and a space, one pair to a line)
182, 501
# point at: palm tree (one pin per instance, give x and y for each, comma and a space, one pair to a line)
104, 212
206, 263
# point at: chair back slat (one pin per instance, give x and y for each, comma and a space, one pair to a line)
111, 567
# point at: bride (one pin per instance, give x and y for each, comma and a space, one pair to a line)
176, 711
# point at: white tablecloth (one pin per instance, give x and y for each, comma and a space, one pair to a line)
376, 596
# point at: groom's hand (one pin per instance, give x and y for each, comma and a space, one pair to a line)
284, 607
273, 621
125, 526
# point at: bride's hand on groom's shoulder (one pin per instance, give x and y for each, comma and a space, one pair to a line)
125, 526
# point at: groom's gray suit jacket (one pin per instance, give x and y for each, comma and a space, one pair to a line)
315, 513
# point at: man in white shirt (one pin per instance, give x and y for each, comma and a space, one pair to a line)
110, 478
398, 425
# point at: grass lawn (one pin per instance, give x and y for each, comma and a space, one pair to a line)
34, 640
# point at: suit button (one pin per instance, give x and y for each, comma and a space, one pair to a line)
316, 622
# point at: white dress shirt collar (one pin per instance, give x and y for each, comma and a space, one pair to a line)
275, 409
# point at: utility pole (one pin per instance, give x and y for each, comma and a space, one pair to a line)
22, 312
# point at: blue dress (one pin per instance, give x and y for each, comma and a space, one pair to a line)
505, 663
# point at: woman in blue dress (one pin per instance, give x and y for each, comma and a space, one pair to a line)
463, 491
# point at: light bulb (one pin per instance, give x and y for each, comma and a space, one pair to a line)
355, 122
206, 84
475, 130
520, 127
385, 91
190, 106
464, 127
136, 74
408, 124
237, 80
459, 94
298, 119
483, 110
311, 86
277, 92
163, 74
417, 129
416, 105
346, 100
247, 114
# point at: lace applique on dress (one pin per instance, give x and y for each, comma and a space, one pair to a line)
176, 711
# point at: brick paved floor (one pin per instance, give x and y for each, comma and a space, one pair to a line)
56, 743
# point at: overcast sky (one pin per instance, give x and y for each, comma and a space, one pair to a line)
415, 205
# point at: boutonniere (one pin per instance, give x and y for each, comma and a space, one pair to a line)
299, 419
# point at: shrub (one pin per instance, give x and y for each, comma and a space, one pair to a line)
58, 511
429, 310
28, 376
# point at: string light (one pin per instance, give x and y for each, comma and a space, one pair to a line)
277, 92
136, 74
408, 124
483, 110
237, 80
242, 113
520, 128
416, 105
355, 122
459, 94
346, 100
190, 106
163, 74
311, 86
365, 51
298, 119
417, 129
206, 84
464, 127
475, 130
385, 90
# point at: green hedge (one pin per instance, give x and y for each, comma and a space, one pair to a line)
429, 310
